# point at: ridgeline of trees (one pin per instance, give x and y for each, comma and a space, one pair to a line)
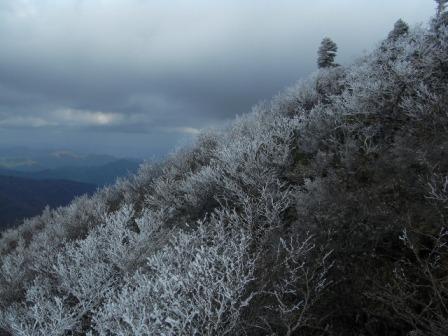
322, 212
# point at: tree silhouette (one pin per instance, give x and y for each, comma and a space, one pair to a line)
327, 53
400, 28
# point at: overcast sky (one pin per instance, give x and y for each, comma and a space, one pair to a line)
139, 77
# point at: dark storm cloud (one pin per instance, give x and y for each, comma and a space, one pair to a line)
163, 68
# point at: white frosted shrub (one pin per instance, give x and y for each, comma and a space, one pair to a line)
43, 313
196, 285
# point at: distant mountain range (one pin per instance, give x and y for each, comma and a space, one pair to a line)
26, 159
98, 175
32, 179
22, 198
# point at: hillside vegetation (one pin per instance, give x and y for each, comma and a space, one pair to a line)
322, 212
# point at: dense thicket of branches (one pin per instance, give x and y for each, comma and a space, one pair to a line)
322, 212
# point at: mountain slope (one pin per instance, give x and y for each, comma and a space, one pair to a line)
322, 212
21, 198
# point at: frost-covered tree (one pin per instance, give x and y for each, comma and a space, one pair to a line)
441, 6
400, 28
441, 18
297, 291
327, 53
197, 285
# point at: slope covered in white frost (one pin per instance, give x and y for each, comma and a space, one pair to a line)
322, 212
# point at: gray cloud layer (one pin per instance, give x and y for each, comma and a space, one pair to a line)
136, 76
